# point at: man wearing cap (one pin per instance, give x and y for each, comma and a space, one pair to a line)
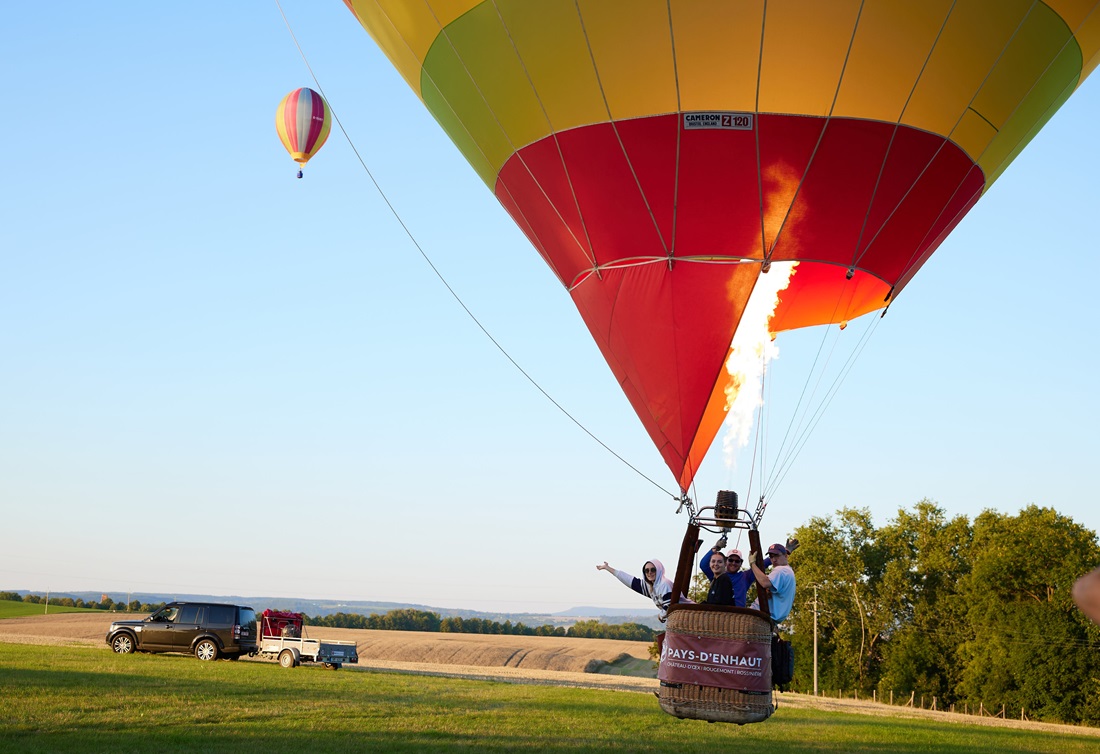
779, 582
741, 580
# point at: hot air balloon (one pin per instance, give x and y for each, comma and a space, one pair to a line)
668, 158
303, 121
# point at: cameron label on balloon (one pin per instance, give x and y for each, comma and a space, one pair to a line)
710, 661
718, 120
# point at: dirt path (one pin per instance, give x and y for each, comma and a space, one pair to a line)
540, 660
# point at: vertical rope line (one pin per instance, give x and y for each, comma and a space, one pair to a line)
557, 145
756, 133
679, 130
798, 190
519, 156
820, 136
1050, 109
977, 91
858, 254
1071, 86
425, 75
831, 394
615, 130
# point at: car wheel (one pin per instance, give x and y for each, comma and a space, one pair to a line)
206, 650
123, 644
286, 658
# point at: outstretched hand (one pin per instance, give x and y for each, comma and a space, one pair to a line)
792, 545
604, 567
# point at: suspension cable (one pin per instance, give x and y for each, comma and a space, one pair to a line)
439, 275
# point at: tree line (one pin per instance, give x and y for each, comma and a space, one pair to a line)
970, 612
106, 603
421, 620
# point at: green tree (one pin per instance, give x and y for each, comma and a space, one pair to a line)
844, 558
1031, 647
926, 563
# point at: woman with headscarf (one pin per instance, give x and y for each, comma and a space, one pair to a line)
653, 584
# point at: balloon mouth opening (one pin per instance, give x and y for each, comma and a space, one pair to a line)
300, 157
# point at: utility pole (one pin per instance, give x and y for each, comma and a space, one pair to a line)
815, 639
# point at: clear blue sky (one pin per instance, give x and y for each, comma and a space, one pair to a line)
219, 379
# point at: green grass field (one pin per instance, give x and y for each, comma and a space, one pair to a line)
90, 700
9, 609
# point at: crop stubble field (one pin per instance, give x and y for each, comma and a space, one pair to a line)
560, 662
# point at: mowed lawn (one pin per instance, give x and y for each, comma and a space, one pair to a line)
76, 699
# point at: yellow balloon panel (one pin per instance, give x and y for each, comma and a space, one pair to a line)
403, 32
805, 47
504, 74
968, 48
889, 51
632, 51
717, 53
552, 46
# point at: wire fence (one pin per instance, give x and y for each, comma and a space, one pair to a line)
930, 702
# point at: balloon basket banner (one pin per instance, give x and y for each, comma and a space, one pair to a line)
716, 664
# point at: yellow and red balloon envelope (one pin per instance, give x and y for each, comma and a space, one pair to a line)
659, 154
303, 121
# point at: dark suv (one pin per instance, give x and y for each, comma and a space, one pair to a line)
206, 629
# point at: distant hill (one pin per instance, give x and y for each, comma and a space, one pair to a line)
312, 607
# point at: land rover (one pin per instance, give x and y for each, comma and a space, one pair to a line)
208, 630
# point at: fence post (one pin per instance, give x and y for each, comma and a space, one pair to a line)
874, 695
981, 709
912, 696
933, 702
891, 696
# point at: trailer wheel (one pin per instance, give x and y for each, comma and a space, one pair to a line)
286, 659
332, 665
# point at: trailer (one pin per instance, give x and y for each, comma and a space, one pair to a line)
282, 638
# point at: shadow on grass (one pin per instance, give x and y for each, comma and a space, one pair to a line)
626, 664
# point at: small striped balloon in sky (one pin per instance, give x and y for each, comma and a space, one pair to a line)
303, 121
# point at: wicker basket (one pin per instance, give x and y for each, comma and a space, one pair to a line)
708, 702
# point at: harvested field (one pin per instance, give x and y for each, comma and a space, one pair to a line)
483, 650
550, 653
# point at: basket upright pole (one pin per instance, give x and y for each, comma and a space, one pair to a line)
761, 593
686, 563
